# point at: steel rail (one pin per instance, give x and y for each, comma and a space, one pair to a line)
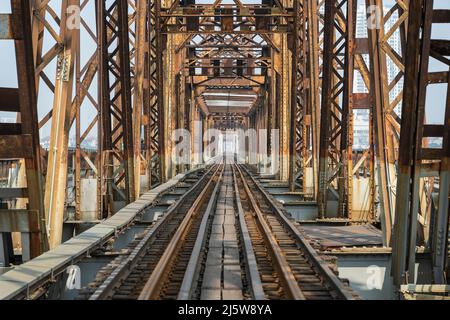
191, 273
252, 266
124, 268
154, 283
308, 250
284, 270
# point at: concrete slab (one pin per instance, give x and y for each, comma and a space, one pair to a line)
229, 229
214, 258
215, 243
231, 255
230, 219
230, 237
219, 219
232, 278
216, 236
210, 294
212, 277
230, 243
217, 228
232, 295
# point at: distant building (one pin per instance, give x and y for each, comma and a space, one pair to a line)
360, 129
7, 120
89, 143
361, 117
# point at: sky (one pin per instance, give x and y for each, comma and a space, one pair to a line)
435, 98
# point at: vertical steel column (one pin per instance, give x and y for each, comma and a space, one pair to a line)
298, 103
188, 107
415, 157
334, 124
139, 85
325, 112
345, 182
21, 140
155, 156
66, 55
116, 113
313, 86
84, 77
56, 178
284, 107
77, 107
386, 123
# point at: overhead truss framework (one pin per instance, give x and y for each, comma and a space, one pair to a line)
230, 47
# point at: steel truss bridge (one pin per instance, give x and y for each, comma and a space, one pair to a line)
127, 73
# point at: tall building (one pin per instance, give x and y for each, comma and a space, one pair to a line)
7, 120
361, 117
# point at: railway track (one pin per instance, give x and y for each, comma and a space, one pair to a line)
224, 239
126, 276
290, 268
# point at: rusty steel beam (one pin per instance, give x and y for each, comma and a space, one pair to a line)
56, 177
23, 141
386, 122
415, 155
342, 173
116, 149
154, 137
313, 51
85, 74
65, 50
140, 87
345, 185
202, 18
335, 165
226, 57
298, 120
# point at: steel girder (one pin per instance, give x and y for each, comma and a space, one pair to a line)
313, 58
70, 69
82, 72
138, 30
116, 148
335, 153
237, 55
240, 52
64, 53
155, 130
336, 56
300, 116
421, 166
147, 120
201, 19
20, 140
386, 122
